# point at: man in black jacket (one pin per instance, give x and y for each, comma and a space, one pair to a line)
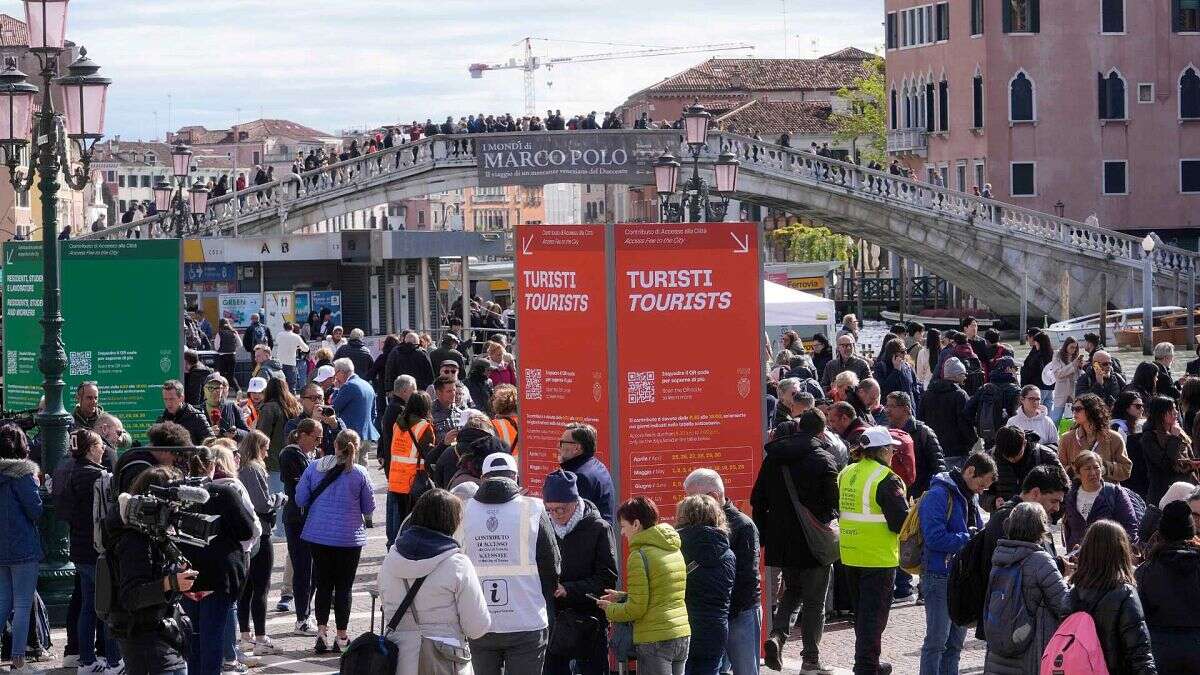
745, 623
589, 567
402, 388
928, 449
1101, 379
1016, 455
409, 359
995, 402
357, 352
178, 411
798, 450
448, 350
195, 374
944, 410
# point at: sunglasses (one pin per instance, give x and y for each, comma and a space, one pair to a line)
313, 398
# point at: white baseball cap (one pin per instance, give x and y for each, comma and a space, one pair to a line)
877, 437
465, 416
257, 385
323, 373
499, 461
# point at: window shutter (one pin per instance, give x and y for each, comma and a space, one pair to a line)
1176, 19
1035, 16
929, 109
1006, 11
1102, 98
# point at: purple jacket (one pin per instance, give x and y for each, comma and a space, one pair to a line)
336, 517
1112, 503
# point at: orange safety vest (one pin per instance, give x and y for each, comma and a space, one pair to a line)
405, 458
506, 430
251, 414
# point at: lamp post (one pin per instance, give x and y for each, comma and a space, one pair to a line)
1059, 208
184, 209
53, 136
695, 202
1148, 295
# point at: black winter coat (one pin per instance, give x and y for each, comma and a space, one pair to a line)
1167, 462
222, 563
445, 353
358, 354
944, 411
191, 419
814, 473
408, 359
386, 424
1169, 587
142, 604
930, 461
1009, 476
711, 570
589, 563
77, 495
743, 540
1121, 627
1031, 369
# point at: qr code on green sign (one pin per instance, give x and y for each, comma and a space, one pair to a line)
80, 364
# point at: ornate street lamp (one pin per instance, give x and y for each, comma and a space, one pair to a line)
181, 202
62, 144
695, 200
1148, 245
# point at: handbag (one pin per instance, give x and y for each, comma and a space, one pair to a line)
824, 541
621, 642
436, 657
572, 630
371, 654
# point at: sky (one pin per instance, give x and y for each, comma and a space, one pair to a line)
353, 64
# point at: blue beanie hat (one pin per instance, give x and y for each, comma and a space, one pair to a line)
560, 488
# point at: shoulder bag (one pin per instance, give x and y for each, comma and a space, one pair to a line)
330, 476
371, 654
824, 540
437, 657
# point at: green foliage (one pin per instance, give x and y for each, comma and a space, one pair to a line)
866, 122
806, 243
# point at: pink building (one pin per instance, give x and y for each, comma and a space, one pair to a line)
1090, 106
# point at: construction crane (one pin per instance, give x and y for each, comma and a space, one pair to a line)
531, 63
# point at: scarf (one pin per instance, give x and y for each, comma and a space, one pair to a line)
563, 530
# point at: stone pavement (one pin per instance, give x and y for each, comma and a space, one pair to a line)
901, 642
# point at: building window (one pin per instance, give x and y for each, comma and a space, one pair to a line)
891, 31
23, 199
942, 21
145, 181
1189, 176
110, 176
1189, 94
121, 180
1021, 103
121, 205
929, 109
961, 174
976, 17
894, 111
1023, 16
1111, 96
1146, 92
1023, 181
1185, 16
979, 175
1112, 16
1115, 179
943, 106
977, 101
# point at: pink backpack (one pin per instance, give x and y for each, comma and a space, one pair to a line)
1074, 649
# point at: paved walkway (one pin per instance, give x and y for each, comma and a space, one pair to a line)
901, 643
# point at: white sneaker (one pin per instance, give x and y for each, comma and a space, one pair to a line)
98, 666
249, 660
118, 669
232, 668
263, 646
816, 669
305, 627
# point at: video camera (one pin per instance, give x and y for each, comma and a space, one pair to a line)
165, 513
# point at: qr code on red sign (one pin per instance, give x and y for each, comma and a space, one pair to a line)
641, 387
533, 384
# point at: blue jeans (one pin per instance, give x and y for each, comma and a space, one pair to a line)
943, 639
904, 584
229, 651
289, 374
275, 484
1057, 412
87, 626
210, 623
741, 648
17, 584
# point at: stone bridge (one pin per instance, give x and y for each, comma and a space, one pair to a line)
987, 248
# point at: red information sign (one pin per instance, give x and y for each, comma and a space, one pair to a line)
689, 349
562, 310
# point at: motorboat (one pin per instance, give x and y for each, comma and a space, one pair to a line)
1114, 321
937, 318
1170, 328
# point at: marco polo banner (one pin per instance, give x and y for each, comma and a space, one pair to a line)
622, 157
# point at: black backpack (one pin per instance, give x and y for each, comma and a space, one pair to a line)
988, 413
975, 376
968, 580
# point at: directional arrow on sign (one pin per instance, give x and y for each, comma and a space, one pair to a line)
743, 244
525, 242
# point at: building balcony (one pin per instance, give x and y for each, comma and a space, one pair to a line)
907, 140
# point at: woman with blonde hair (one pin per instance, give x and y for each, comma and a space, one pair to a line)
503, 370
711, 568
253, 600
337, 494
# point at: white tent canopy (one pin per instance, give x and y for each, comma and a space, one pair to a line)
796, 309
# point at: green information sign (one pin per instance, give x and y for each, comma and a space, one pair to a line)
122, 305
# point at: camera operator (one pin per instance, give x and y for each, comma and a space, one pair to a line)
137, 460
312, 401
222, 565
145, 616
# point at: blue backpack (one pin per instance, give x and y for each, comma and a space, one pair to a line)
1007, 623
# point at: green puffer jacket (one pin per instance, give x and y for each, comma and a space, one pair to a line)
656, 595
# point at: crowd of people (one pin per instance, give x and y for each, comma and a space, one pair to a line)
939, 459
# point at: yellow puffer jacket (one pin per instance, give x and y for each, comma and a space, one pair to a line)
656, 595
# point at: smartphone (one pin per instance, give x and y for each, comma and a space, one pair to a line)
592, 597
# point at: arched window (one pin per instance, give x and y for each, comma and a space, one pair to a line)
977, 101
895, 111
1189, 94
1111, 96
1021, 105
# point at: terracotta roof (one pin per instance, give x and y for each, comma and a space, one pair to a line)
144, 153
256, 130
849, 54
771, 118
13, 32
731, 75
